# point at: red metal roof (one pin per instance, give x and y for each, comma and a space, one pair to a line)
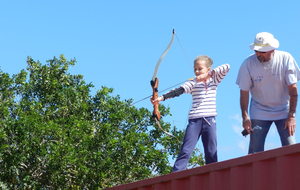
277, 169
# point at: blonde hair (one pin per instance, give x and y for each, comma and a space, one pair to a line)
205, 58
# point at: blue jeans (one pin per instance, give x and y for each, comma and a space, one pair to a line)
260, 131
204, 127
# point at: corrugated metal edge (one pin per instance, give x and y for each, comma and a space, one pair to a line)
248, 159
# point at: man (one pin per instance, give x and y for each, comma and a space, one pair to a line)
270, 76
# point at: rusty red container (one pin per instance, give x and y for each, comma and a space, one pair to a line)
277, 169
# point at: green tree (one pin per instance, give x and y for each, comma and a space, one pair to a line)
54, 134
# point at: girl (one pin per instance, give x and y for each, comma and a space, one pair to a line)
203, 112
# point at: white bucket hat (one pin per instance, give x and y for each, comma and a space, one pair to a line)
264, 42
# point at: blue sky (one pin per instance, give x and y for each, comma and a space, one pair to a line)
117, 43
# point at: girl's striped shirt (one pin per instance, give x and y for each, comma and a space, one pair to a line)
204, 93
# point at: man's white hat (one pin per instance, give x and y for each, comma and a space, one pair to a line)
264, 42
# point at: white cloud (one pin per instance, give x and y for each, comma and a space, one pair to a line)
243, 146
242, 142
237, 126
273, 131
237, 117
237, 129
272, 145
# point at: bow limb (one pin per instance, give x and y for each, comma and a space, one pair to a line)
169, 134
154, 81
163, 55
154, 84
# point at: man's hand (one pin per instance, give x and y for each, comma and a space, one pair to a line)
244, 99
290, 125
247, 125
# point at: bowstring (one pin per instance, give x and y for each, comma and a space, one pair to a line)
185, 54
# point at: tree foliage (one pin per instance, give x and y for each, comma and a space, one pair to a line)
54, 134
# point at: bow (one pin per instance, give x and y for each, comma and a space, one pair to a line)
154, 84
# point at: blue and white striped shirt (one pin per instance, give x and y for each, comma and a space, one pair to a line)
204, 93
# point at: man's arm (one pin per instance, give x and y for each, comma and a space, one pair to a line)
291, 120
244, 101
